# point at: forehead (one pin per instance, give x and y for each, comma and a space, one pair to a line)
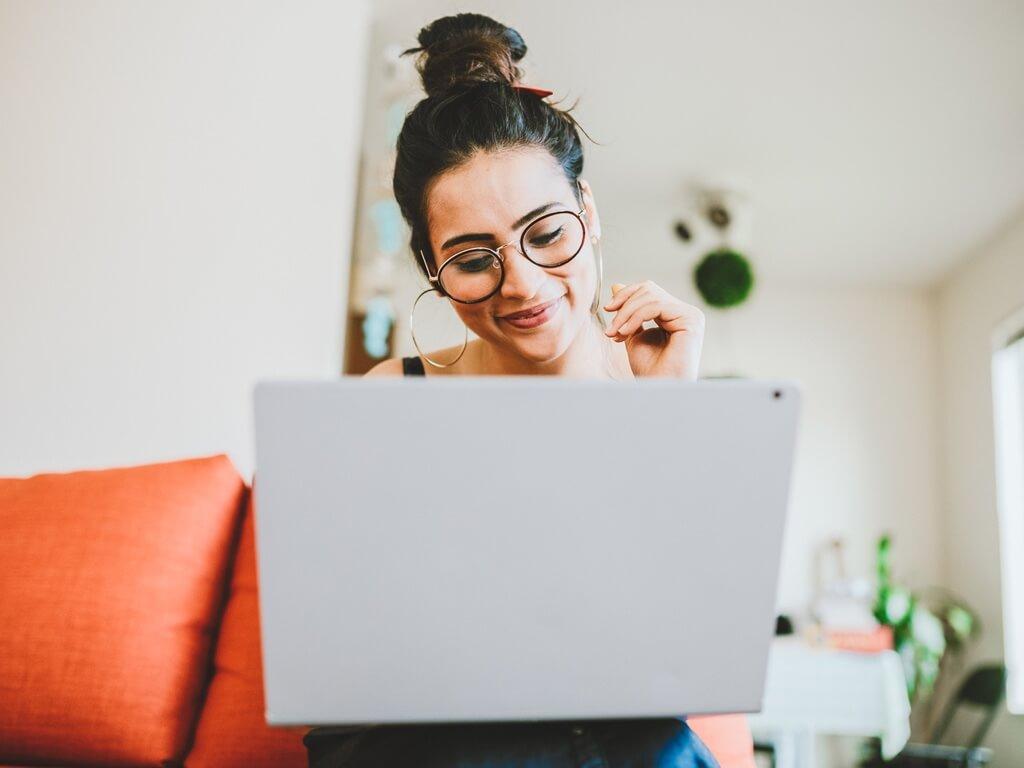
488, 192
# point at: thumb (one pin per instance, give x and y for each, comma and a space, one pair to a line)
616, 287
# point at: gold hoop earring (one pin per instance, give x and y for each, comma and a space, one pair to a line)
596, 304
412, 332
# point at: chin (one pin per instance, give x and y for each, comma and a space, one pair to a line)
542, 353
545, 343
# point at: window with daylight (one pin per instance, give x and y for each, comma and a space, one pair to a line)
1008, 403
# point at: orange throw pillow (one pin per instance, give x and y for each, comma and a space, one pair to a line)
232, 732
728, 738
111, 585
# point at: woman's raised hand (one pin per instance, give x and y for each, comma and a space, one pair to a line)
672, 348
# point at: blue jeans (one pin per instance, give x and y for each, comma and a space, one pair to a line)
635, 743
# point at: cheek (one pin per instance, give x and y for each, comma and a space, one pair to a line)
475, 316
582, 278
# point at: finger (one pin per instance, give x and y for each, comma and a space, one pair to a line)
621, 294
671, 315
636, 299
627, 312
631, 290
683, 317
650, 310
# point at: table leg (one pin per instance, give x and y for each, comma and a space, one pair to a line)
785, 749
805, 743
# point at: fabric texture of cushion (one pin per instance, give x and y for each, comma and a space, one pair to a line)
232, 732
728, 738
112, 585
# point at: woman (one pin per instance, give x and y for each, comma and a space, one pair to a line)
479, 161
488, 177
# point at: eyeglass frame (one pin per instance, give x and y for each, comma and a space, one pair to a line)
434, 280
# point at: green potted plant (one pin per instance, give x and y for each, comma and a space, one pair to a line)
724, 278
928, 626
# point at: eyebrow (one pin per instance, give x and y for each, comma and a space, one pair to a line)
480, 237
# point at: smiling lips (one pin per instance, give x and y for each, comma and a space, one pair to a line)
538, 315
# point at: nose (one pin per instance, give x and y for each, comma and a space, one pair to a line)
523, 278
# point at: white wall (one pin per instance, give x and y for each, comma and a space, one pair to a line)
866, 454
971, 302
176, 193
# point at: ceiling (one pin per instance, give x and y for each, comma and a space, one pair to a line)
877, 141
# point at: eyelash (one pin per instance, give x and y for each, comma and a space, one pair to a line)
549, 237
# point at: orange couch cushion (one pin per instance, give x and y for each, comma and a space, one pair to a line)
112, 582
728, 738
232, 731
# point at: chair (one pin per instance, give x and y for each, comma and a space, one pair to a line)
983, 689
764, 748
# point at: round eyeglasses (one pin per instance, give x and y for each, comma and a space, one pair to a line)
476, 274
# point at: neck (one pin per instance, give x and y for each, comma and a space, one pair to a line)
592, 355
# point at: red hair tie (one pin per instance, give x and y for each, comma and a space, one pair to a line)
541, 92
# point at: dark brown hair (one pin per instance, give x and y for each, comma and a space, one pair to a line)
468, 64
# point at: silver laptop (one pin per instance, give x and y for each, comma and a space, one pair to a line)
464, 549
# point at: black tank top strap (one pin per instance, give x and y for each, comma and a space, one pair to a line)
413, 366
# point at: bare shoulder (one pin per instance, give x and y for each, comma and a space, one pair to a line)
390, 367
461, 360
460, 364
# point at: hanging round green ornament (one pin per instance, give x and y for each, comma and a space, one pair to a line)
724, 278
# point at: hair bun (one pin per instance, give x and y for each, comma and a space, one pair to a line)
467, 49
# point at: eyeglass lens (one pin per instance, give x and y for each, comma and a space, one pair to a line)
550, 241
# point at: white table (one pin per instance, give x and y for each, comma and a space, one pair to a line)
812, 691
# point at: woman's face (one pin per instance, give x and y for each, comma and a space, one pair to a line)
483, 202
